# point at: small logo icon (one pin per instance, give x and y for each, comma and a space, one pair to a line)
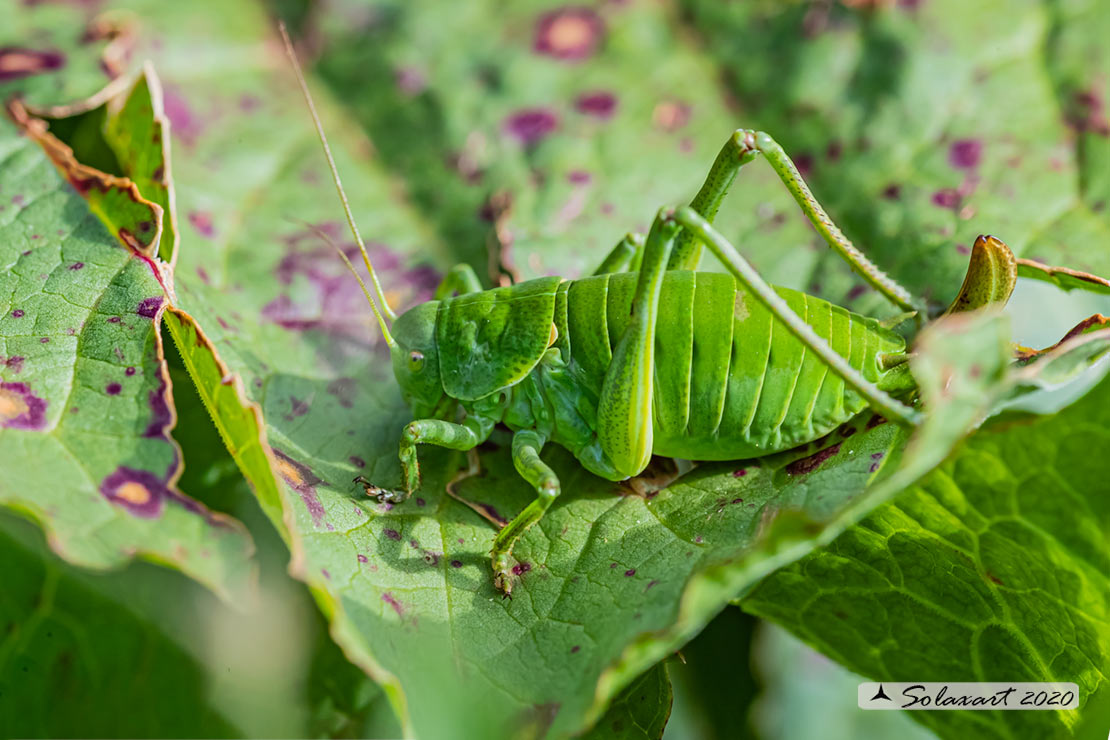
880, 694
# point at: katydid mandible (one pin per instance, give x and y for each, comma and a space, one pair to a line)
732, 369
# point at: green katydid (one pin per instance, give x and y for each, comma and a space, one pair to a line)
732, 369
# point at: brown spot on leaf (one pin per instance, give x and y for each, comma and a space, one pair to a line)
16, 63
812, 462
302, 480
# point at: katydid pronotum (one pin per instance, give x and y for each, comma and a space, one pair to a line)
732, 369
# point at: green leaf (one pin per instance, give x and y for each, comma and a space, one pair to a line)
640, 712
994, 568
85, 411
66, 645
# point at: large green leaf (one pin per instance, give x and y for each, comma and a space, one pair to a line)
85, 410
63, 641
994, 568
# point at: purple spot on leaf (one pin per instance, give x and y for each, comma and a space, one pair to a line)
148, 307
358, 462
530, 125
362, 558
392, 534
569, 34
947, 198
630, 572
113, 389
17, 314
302, 480
297, 408
811, 463
456, 564
965, 153
202, 222
185, 124
77, 266
19, 407
387, 597
521, 568
141, 492
599, 103
161, 415
15, 362
16, 62
129, 372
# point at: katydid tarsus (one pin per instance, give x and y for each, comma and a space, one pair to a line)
733, 368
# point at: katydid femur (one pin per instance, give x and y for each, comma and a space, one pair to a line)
732, 369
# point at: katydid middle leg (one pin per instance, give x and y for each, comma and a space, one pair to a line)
526, 458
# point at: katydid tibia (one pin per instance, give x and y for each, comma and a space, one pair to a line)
733, 368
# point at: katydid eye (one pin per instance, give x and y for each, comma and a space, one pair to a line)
416, 361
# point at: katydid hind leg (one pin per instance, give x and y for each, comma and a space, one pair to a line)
624, 419
761, 143
526, 458
733, 155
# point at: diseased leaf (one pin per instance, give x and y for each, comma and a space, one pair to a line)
993, 568
85, 411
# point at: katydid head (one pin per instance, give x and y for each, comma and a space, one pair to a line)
416, 360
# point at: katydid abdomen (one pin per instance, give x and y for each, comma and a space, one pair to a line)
730, 382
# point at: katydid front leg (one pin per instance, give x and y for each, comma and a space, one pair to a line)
526, 458
466, 436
